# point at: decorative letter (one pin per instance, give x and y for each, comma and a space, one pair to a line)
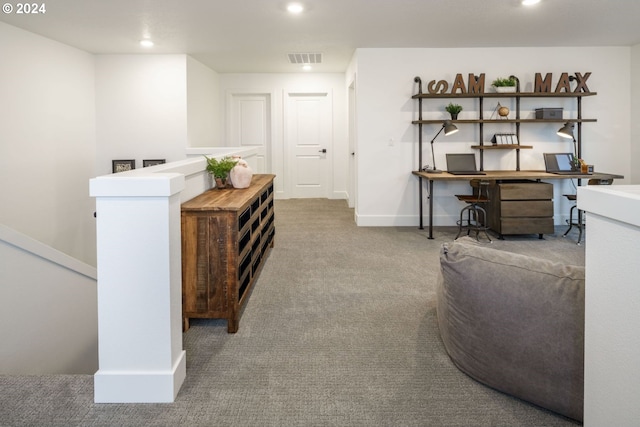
476, 84
440, 87
582, 82
542, 85
564, 83
458, 84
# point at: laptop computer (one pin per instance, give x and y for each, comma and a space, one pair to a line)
560, 163
462, 164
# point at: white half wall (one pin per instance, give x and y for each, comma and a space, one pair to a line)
47, 141
387, 148
141, 358
612, 306
634, 83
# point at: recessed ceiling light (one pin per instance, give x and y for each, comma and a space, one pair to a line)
306, 67
530, 2
146, 43
295, 8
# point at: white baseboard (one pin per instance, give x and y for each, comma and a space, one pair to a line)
386, 220
140, 386
414, 220
340, 195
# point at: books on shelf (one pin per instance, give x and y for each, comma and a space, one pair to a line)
505, 138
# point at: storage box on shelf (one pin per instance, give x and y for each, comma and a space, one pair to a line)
226, 237
549, 113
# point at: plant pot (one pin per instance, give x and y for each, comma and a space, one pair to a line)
454, 116
505, 89
221, 183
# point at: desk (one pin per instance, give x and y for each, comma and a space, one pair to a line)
495, 175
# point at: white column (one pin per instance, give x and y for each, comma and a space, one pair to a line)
139, 288
612, 307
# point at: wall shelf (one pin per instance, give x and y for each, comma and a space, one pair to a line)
474, 121
505, 95
517, 121
501, 147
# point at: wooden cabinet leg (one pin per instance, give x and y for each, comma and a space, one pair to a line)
232, 325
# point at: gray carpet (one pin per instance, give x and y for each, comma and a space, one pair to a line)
340, 330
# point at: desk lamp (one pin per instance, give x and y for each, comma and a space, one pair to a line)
566, 131
449, 129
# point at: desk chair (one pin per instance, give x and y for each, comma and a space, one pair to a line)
473, 217
579, 221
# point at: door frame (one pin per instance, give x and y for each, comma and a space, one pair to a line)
287, 144
270, 161
352, 172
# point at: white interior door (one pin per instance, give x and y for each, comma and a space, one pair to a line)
250, 126
308, 130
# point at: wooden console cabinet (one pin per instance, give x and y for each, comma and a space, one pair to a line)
521, 207
226, 237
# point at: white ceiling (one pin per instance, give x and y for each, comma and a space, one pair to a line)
249, 36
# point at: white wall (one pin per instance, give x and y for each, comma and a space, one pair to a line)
141, 108
612, 299
635, 114
47, 141
388, 191
203, 117
277, 84
48, 309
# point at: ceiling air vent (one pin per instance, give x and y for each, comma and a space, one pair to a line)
305, 58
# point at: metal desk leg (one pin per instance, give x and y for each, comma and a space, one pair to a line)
430, 209
420, 201
580, 225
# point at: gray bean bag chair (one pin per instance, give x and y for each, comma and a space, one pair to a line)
514, 323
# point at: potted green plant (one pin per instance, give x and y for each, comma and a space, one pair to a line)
453, 109
220, 168
502, 85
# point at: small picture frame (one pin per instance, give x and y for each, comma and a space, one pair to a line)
153, 162
122, 165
